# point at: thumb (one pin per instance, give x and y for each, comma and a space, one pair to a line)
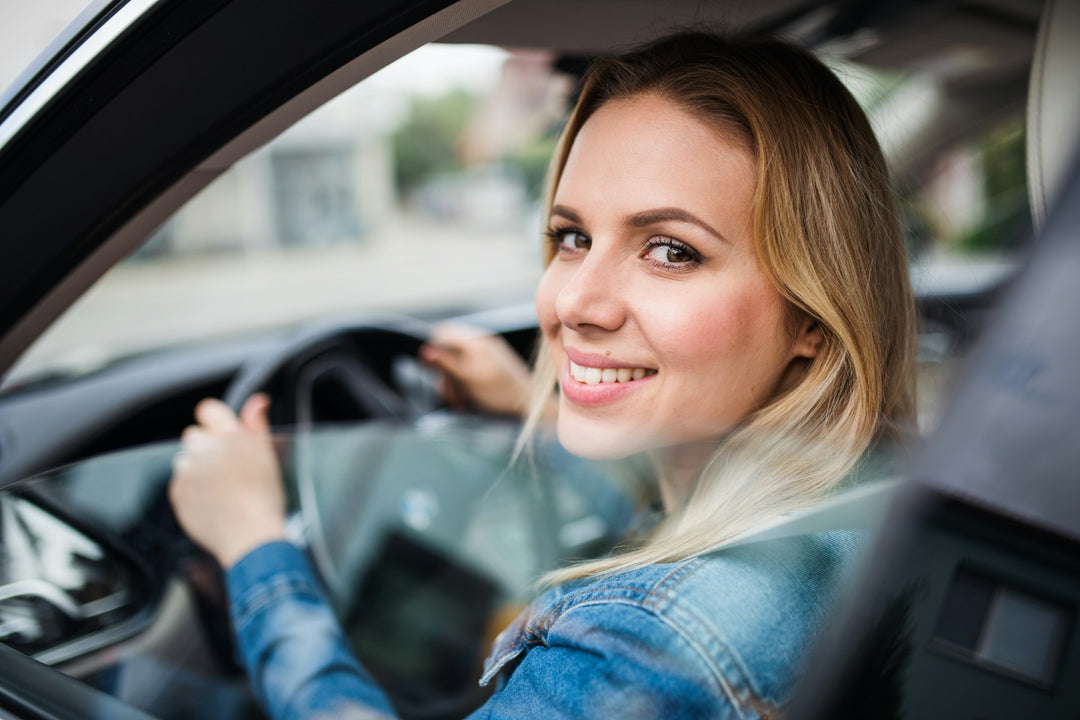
253, 415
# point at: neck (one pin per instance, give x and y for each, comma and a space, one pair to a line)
678, 468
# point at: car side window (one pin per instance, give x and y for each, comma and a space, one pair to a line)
431, 169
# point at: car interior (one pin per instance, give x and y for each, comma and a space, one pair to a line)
967, 603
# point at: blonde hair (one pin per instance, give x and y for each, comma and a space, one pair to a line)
827, 236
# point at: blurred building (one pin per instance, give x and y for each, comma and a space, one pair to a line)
527, 100
328, 180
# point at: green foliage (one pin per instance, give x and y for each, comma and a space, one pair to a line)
532, 163
1008, 219
427, 143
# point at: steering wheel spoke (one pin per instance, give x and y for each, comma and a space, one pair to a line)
326, 375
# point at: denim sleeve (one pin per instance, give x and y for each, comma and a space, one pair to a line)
597, 660
297, 657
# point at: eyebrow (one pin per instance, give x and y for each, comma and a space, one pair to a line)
566, 212
649, 217
652, 217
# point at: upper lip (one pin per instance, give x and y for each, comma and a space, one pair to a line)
599, 361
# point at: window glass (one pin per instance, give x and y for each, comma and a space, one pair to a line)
416, 191
966, 215
419, 191
27, 30
429, 540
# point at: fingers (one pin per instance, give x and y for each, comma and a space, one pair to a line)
188, 435
451, 342
451, 352
193, 441
226, 488
442, 361
454, 335
448, 361
478, 369
433, 354
216, 416
254, 413
442, 355
454, 348
453, 393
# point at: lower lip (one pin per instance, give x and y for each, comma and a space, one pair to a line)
599, 394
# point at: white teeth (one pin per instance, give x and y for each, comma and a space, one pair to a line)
595, 376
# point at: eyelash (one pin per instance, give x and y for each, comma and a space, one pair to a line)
695, 258
557, 237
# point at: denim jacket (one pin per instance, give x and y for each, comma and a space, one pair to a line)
718, 636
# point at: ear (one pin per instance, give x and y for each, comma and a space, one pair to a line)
808, 338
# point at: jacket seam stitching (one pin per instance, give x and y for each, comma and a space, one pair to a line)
742, 702
263, 596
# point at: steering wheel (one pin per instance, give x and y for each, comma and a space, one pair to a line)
329, 367
419, 489
318, 356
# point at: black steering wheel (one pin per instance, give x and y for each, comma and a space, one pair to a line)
331, 364
334, 374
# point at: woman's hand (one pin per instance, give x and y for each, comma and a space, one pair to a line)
479, 370
226, 487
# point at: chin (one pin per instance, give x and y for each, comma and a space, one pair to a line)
594, 441
595, 451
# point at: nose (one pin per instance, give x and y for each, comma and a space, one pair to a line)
593, 295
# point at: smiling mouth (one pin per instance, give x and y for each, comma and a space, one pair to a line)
596, 376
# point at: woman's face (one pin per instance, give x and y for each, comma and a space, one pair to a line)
663, 328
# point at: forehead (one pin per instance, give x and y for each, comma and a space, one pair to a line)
648, 151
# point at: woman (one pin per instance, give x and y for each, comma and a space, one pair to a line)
726, 290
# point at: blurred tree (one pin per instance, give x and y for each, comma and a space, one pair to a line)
427, 143
532, 162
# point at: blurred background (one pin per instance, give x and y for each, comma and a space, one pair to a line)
432, 171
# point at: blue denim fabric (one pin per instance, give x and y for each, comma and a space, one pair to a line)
720, 636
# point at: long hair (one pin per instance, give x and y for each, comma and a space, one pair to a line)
826, 235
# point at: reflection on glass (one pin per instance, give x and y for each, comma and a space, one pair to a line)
415, 191
56, 585
433, 541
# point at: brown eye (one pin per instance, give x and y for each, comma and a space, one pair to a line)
675, 255
576, 241
672, 253
569, 240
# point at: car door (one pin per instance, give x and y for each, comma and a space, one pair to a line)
139, 108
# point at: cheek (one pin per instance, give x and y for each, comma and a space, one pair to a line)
724, 336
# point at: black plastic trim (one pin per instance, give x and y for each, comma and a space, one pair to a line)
33, 691
56, 52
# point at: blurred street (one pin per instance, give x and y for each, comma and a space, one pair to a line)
411, 268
